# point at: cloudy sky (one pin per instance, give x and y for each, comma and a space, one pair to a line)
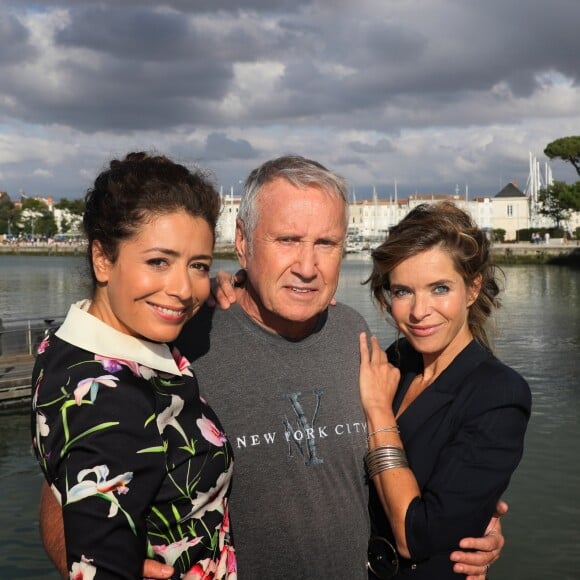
430, 94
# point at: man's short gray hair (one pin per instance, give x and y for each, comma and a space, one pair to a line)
298, 171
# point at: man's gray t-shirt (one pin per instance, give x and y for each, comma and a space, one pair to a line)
292, 412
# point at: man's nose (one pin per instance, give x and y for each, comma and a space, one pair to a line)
305, 262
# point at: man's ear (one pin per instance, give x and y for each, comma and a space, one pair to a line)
242, 245
474, 290
101, 263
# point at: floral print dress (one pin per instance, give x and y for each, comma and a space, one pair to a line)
137, 458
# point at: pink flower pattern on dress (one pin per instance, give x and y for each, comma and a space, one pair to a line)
211, 432
83, 570
170, 553
92, 385
182, 363
100, 486
43, 345
214, 499
225, 566
114, 365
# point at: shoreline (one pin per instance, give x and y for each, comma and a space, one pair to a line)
512, 253
75, 250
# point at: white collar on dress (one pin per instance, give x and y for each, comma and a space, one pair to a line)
85, 331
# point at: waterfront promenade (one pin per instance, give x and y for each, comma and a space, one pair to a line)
75, 249
555, 247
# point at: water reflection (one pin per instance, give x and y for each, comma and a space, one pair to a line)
39, 286
20, 552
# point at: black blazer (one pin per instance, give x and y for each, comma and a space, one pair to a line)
464, 437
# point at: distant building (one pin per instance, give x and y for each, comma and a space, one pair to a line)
370, 219
511, 211
226, 225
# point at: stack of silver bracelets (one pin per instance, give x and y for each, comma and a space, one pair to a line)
385, 456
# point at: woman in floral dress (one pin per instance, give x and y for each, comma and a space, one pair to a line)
137, 458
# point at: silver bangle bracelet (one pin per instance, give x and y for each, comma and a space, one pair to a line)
393, 429
384, 457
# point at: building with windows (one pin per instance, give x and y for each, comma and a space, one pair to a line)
370, 219
225, 232
510, 211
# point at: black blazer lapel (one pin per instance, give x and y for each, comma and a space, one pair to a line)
443, 391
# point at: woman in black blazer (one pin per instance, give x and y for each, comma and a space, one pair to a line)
446, 419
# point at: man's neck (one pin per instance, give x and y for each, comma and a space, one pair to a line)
293, 330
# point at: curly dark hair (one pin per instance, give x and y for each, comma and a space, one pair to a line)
445, 225
136, 188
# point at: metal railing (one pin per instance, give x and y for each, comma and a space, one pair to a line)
21, 336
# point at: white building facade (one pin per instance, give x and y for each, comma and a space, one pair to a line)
371, 219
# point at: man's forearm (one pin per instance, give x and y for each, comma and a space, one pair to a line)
52, 530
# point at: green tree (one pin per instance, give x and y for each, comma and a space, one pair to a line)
558, 200
71, 216
34, 205
64, 225
36, 219
498, 235
566, 149
46, 226
9, 216
75, 206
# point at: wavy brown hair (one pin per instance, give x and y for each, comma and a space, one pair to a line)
444, 225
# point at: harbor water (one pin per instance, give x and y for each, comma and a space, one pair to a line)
538, 333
